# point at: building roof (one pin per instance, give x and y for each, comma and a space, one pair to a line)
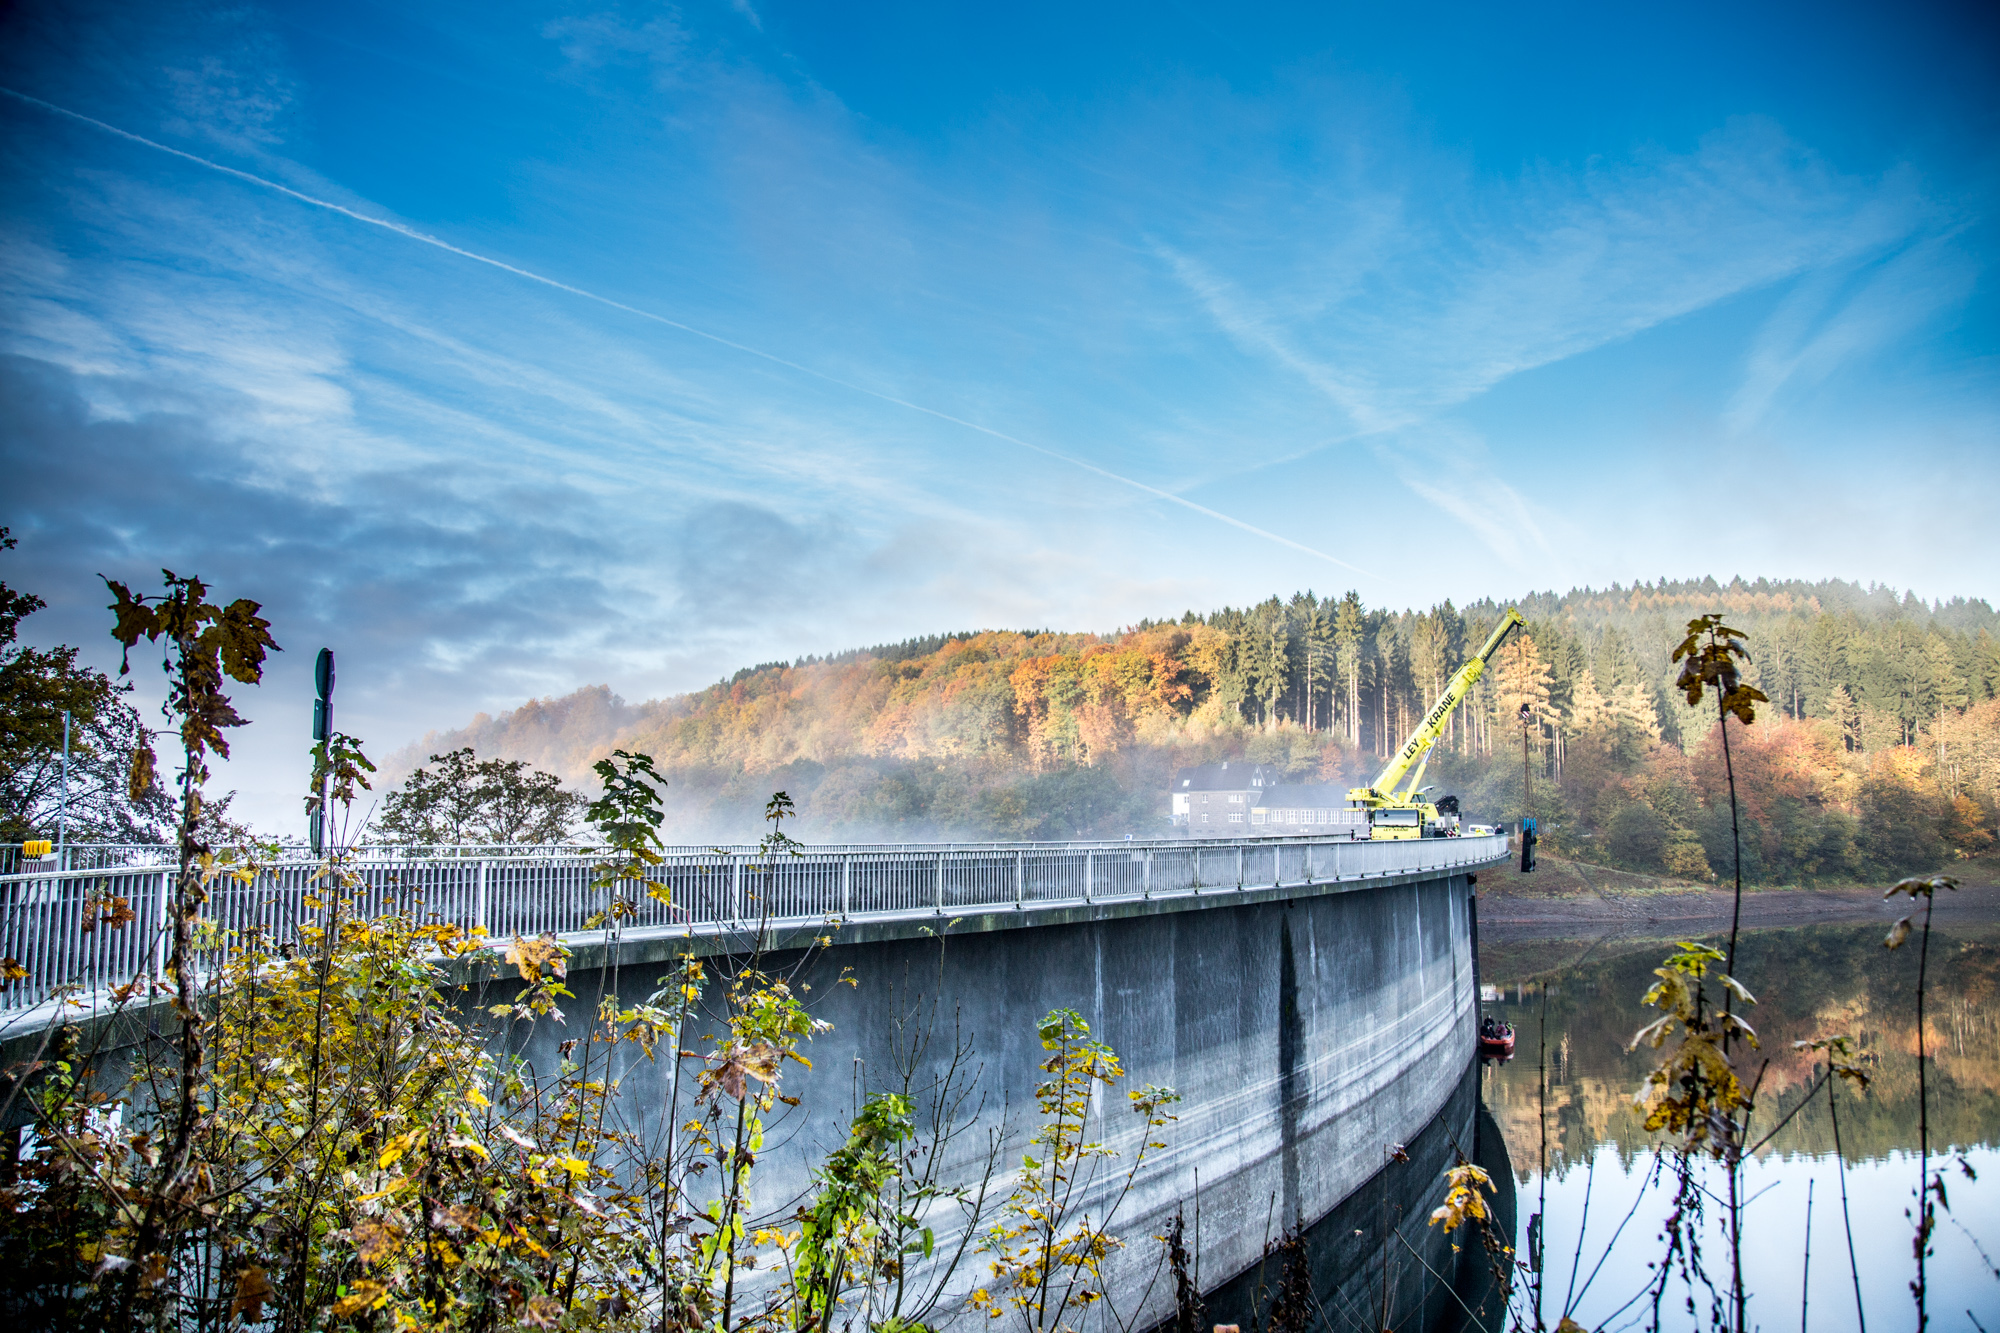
1231, 775
1302, 796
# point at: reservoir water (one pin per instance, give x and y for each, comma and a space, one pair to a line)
1593, 1178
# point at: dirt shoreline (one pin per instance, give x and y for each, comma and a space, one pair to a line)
1570, 900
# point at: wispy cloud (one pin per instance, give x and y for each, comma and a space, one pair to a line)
422, 238
1504, 278
1836, 315
1517, 275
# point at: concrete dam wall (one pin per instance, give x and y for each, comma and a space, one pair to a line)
1312, 1000
1311, 1030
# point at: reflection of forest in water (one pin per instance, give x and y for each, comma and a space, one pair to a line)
1810, 982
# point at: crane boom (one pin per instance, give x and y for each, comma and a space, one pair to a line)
1414, 753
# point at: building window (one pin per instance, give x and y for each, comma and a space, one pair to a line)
1236, 799
1236, 819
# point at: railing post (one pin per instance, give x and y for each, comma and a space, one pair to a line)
1020, 877
735, 887
1146, 873
1089, 860
940, 884
1239, 867
846, 883
479, 910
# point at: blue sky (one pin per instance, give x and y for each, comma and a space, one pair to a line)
511, 348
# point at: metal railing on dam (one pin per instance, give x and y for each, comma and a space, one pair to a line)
59, 926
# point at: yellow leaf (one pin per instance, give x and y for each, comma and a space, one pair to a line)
366, 1294
530, 956
470, 1145
477, 1098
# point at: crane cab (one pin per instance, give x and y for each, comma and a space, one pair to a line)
1395, 823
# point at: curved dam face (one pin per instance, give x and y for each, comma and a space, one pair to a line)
1311, 1031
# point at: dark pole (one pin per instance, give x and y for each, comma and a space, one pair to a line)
1529, 830
1527, 773
322, 732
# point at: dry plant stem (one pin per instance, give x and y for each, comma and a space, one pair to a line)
1646, 1185
1383, 1203
1733, 1161
324, 971
670, 1187
174, 1163
1805, 1277
1735, 843
1846, 1222
1443, 1284
731, 1205
1542, 1125
1925, 1213
1582, 1228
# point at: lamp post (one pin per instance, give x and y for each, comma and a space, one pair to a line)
1527, 771
62, 818
1527, 794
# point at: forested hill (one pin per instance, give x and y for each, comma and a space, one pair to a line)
1044, 734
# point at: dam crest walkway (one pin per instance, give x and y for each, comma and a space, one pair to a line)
53, 922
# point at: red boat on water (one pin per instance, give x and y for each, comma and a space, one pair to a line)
1496, 1039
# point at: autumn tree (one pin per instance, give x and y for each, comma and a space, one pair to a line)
37, 687
465, 799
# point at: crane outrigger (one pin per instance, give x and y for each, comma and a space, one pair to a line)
1395, 814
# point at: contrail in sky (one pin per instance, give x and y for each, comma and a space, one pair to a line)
410, 233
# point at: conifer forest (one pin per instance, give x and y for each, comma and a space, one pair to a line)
1881, 755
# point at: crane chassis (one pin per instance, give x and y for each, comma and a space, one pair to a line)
1395, 801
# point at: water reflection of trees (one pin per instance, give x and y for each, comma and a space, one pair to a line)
1810, 981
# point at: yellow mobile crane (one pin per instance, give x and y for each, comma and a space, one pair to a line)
1397, 815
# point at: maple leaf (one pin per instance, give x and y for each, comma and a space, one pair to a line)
375, 1242
253, 1288
1713, 666
530, 955
740, 1062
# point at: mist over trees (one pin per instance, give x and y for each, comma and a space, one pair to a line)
1880, 754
